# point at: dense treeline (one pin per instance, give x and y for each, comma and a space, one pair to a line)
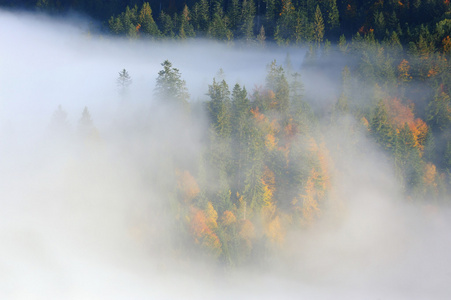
268, 164
282, 21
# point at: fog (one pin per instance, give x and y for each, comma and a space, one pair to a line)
89, 221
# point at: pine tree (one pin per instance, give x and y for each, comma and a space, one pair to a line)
381, 129
439, 112
218, 27
379, 24
408, 162
342, 105
342, 44
186, 29
246, 29
240, 122
167, 25
86, 127
145, 19
286, 24
130, 22
123, 82
234, 14
278, 84
170, 85
201, 16
318, 27
115, 25
219, 107
333, 17
270, 16
261, 37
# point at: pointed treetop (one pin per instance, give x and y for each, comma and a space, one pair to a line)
123, 81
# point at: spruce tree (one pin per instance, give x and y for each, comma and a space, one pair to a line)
318, 27
145, 19
219, 107
123, 82
333, 17
246, 29
381, 129
186, 29
170, 84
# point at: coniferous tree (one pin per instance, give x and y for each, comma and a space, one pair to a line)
86, 126
342, 105
270, 16
333, 16
115, 25
253, 186
408, 162
276, 82
240, 121
261, 37
439, 112
301, 113
201, 16
381, 129
219, 107
318, 27
246, 26
234, 14
167, 25
145, 19
170, 85
342, 44
129, 21
379, 24
286, 24
123, 82
186, 29
218, 27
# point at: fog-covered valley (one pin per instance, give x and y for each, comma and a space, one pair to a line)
129, 201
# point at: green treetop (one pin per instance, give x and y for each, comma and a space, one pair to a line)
170, 84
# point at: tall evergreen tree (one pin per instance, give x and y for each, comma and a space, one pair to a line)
145, 19
218, 27
170, 85
286, 24
318, 27
240, 122
234, 14
333, 20
123, 82
186, 29
270, 16
439, 112
408, 162
167, 25
276, 81
342, 105
261, 37
246, 26
201, 16
219, 107
381, 129
86, 128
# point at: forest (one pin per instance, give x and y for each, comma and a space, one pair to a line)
286, 22
235, 174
